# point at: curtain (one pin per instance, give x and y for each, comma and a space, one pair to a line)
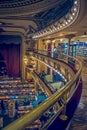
11, 54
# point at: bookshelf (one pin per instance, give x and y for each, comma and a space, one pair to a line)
82, 49
18, 92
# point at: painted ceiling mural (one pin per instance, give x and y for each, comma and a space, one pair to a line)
33, 14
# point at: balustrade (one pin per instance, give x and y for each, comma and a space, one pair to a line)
57, 101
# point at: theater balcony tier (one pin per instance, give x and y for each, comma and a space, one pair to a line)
57, 110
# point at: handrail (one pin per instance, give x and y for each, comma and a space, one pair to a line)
43, 85
31, 116
60, 60
64, 56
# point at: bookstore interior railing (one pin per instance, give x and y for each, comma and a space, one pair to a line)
44, 114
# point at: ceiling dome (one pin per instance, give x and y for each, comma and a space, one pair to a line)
14, 7
15, 1
31, 15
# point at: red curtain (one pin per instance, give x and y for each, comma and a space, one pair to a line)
11, 54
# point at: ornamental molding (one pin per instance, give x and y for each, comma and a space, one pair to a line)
61, 24
26, 6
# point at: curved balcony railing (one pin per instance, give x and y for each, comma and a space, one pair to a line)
61, 98
42, 84
60, 63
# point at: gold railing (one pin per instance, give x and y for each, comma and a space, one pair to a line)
61, 97
42, 84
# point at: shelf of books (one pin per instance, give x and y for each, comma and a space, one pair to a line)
20, 93
81, 52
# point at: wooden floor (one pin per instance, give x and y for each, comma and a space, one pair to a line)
79, 121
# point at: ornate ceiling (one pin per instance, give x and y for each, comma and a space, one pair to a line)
31, 15
17, 7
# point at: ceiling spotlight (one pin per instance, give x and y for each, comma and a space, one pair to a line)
54, 28
69, 20
75, 9
75, 2
73, 13
66, 22
71, 17
63, 24
58, 28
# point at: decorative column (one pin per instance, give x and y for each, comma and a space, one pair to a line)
51, 70
25, 60
70, 50
23, 49
70, 36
